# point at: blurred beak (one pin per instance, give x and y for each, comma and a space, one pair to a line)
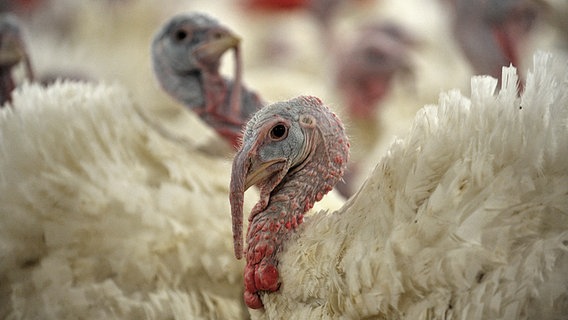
12, 51
214, 49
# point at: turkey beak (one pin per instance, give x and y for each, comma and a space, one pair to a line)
263, 171
248, 170
12, 51
238, 186
222, 41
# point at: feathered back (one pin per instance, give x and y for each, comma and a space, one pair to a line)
101, 216
465, 218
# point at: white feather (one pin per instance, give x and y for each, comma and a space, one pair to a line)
103, 216
109, 211
464, 218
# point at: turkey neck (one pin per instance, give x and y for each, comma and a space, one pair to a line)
270, 224
284, 201
215, 89
284, 212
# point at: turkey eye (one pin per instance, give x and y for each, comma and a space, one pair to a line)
180, 35
278, 132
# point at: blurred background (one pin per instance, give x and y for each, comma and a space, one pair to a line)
376, 62
162, 244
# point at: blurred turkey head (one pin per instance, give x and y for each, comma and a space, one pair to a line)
12, 53
186, 56
491, 33
365, 70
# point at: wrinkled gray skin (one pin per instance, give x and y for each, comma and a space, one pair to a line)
186, 55
295, 151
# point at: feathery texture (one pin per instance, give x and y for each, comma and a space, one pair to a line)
465, 218
103, 216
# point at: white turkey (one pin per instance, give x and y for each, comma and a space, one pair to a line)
464, 218
108, 210
106, 215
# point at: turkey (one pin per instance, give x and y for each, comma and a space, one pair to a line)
186, 55
439, 64
110, 211
491, 33
464, 218
13, 53
366, 70
104, 216
367, 67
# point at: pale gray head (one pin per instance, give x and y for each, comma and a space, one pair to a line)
190, 42
295, 151
186, 55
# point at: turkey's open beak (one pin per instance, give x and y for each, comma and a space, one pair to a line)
249, 170
214, 49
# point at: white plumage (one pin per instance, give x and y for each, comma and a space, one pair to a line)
103, 216
108, 211
465, 218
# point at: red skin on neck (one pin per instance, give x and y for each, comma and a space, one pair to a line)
281, 210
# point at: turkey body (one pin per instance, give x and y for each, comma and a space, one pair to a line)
464, 218
104, 216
